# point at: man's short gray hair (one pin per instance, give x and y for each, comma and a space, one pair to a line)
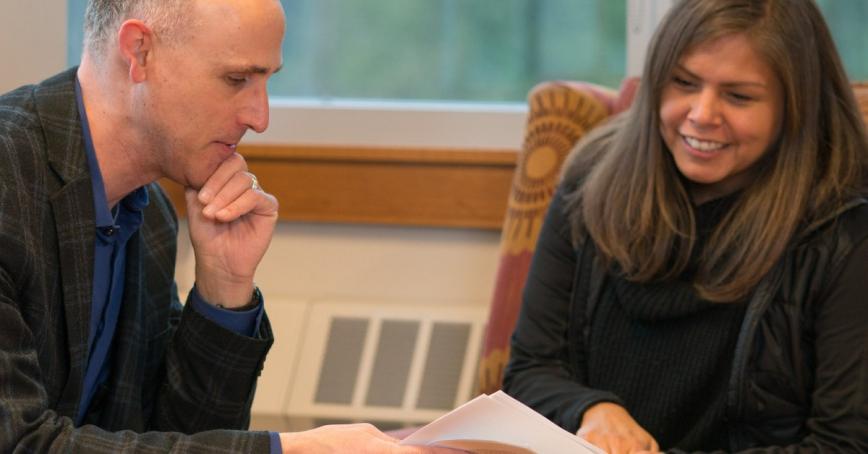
103, 17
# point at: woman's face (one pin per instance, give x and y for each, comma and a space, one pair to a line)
720, 112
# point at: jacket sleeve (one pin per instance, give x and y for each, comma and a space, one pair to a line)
542, 373
210, 375
838, 420
30, 425
207, 373
30, 420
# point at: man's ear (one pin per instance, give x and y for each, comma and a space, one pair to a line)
136, 41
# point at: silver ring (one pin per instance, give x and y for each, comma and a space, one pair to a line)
254, 183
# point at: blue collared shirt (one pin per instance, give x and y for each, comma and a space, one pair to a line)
113, 231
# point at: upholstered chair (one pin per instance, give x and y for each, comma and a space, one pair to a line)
559, 114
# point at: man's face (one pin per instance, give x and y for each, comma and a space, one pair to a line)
206, 88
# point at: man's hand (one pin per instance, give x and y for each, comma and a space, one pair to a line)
231, 223
610, 427
350, 438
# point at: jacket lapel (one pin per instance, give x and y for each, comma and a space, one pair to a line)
72, 206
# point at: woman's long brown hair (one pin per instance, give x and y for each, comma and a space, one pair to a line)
632, 200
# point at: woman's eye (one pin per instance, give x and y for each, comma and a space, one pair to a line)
740, 97
682, 82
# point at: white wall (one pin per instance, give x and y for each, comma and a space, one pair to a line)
312, 262
32, 41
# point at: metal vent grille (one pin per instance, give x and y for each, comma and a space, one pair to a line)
443, 365
386, 361
392, 363
342, 359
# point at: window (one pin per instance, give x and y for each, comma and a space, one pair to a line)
847, 19
457, 50
468, 50
485, 54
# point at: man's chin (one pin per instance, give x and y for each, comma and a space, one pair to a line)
201, 175
184, 182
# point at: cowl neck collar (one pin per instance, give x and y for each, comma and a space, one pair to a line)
676, 298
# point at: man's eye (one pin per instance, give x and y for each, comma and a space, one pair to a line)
236, 80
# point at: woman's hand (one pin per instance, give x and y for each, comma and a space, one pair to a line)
610, 427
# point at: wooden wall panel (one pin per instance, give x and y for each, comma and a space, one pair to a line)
418, 187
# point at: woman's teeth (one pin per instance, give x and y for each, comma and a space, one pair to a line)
703, 145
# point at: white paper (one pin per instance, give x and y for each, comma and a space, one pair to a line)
501, 419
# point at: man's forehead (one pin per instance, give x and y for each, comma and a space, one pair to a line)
239, 39
230, 9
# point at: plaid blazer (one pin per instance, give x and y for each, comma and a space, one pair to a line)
178, 382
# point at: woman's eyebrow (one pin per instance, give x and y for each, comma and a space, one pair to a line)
735, 83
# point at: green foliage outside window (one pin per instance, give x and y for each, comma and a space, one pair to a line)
847, 20
472, 50
469, 50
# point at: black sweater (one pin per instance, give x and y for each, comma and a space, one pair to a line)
662, 341
661, 353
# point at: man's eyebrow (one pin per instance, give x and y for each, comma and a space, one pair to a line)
254, 69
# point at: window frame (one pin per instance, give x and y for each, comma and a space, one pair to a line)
433, 125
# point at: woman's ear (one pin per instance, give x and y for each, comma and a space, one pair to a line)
135, 43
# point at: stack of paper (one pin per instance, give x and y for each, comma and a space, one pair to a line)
499, 424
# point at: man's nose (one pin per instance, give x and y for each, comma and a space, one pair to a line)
254, 114
705, 108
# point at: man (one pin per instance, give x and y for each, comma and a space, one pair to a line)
96, 352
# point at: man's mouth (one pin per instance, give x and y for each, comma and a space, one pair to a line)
228, 147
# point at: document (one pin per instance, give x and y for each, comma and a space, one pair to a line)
499, 424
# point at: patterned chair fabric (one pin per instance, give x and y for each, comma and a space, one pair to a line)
560, 113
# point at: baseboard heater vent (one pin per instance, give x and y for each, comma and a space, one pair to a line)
386, 361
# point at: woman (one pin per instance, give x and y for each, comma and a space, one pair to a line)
699, 283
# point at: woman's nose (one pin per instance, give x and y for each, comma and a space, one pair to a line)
705, 108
